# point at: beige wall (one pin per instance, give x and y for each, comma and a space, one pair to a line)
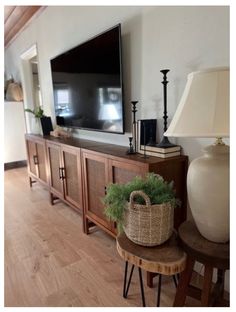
14, 130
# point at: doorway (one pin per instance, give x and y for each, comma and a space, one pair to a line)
31, 84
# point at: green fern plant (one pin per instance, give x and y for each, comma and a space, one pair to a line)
37, 112
158, 190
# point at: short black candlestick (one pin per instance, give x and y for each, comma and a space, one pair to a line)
165, 142
131, 148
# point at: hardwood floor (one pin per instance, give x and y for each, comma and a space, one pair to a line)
50, 262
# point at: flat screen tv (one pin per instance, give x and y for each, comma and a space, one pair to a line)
87, 84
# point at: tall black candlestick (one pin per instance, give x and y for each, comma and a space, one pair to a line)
134, 125
165, 141
165, 82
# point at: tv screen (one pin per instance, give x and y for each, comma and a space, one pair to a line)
87, 84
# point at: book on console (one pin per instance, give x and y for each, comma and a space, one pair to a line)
161, 150
161, 155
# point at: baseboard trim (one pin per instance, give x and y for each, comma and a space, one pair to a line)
15, 164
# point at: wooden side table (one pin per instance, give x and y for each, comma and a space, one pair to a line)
211, 255
167, 259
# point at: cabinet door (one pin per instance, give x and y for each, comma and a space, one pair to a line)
41, 161
122, 172
72, 175
32, 157
55, 167
95, 181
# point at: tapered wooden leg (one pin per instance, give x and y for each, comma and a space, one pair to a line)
207, 283
184, 281
31, 182
86, 226
217, 295
221, 282
51, 198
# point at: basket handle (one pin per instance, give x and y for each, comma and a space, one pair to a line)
140, 193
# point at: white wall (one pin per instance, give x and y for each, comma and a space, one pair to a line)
14, 130
181, 38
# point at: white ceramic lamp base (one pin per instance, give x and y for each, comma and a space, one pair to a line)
208, 192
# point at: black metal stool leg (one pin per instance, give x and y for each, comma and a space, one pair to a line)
126, 288
129, 281
159, 291
141, 286
175, 280
125, 277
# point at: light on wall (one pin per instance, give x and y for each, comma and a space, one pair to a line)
203, 112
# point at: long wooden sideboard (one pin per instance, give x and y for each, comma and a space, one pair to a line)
78, 172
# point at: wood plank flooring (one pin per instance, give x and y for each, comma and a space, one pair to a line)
49, 262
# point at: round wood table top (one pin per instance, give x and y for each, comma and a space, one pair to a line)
203, 250
167, 258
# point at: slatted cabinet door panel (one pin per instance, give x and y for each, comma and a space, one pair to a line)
95, 181
122, 172
42, 161
72, 175
32, 154
54, 159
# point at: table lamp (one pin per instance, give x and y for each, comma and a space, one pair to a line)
203, 112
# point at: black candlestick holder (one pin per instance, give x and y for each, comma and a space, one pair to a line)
131, 148
134, 125
165, 141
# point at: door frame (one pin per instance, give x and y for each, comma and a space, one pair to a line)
27, 82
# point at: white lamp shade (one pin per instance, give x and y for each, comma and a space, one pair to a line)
203, 110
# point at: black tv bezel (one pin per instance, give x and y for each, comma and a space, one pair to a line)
121, 80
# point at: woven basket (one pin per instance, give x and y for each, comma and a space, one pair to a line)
14, 92
148, 225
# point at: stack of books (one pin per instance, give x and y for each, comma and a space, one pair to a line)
160, 152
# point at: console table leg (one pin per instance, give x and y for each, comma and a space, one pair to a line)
51, 199
31, 181
86, 226
183, 283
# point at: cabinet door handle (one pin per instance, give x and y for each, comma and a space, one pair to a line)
105, 190
35, 158
60, 173
63, 173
